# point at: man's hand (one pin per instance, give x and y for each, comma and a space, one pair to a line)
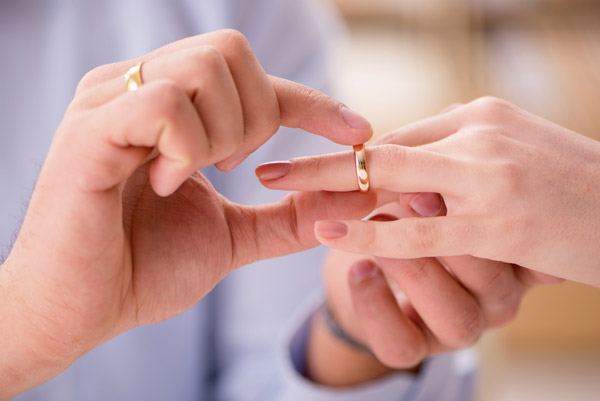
121, 231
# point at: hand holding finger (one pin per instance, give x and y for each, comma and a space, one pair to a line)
390, 167
109, 158
288, 225
239, 106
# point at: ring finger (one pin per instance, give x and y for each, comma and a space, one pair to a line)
204, 76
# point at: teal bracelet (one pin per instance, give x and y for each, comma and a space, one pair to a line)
338, 332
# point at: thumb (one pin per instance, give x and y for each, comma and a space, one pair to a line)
313, 111
287, 226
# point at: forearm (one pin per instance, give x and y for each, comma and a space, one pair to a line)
21, 366
12, 359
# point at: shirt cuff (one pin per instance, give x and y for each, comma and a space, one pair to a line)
446, 377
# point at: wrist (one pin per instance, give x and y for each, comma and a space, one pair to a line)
335, 328
335, 362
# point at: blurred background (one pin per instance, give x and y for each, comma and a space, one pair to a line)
407, 59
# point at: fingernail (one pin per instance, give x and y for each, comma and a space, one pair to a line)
363, 270
427, 204
273, 170
230, 163
353, 119
383, 217
331, 229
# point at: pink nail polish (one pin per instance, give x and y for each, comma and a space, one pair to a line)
230, 165
427, 204
273, 170
331, 229
231, 162
383, 217
363, 270
353, 119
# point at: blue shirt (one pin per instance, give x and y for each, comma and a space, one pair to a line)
245, 340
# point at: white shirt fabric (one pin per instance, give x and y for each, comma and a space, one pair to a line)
245, 341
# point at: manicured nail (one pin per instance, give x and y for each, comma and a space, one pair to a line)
383, 217
331, 229
362, 270
353, 119
231, 163
273, 170
427, 204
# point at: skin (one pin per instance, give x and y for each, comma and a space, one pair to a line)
122, 231
404, 310
408, 310
518, 189
115, 235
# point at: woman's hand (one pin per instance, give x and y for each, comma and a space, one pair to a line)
121, 231
517, 189
407, 310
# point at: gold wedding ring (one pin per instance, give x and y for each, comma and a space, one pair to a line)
133, 77
360, 159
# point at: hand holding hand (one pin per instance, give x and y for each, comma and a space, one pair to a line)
405, 311
121, 231
517, 189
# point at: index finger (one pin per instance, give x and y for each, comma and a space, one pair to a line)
391, 167
315, 112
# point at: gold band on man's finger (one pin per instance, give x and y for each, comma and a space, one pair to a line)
133, 77
360, 159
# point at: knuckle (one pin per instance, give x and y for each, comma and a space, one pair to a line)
504, 315
491, 109
500, 296
167, 99
510, 175
234, 42
207, 58
467, 329
202, 66
303, 95
389, 158
367, 239
500, 285
311, 95
489, 102
92, 78
424, 236
318, 165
